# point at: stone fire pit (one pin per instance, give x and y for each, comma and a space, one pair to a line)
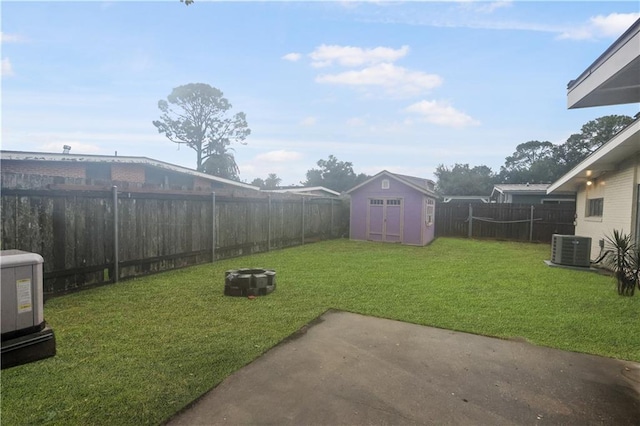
249, 282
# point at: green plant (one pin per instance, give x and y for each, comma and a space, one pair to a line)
136, 352
624, 260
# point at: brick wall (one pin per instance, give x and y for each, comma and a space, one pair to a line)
132, 173
200, 184
53, 168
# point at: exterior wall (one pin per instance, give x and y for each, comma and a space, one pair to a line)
414, 230
619, 190
202, 184
413, 217
57, 168
133, 173
78, 172
535, 199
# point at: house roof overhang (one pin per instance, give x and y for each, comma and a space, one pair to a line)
614, 78
77, 158
624, 145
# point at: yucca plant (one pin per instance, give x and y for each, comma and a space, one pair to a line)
624, 260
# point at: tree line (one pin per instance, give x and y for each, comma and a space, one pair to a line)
198, 116
533, 161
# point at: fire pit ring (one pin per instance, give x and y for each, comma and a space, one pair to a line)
249, 282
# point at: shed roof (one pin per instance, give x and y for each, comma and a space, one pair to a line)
420, 184
110, 159
521, 188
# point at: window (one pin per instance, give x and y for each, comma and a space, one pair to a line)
595, 207
375, 202
430, 203
385, 183
99, 171
396, 202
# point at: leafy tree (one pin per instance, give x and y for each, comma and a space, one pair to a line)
258, 182
196, 115
544, 162
334, 174
222, 165
592, 136
272, 181
464, 180
187, 2
533, 162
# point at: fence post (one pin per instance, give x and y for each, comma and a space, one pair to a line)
303, 220
470, 220
269, 224
331, 228
213, 227
116, 242
531, 226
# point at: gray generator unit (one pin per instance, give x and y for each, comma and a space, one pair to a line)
571, 250
25, 335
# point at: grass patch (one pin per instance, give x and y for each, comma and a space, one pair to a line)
137, 352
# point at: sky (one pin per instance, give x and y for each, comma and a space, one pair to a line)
385, 85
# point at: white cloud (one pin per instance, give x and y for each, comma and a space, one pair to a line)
11, 38
286, 164
485, 6
610, 26
441, 114
397, 80
349, 56
356, 122
279, 156
7, 69
293, 57
614, 24
308, 121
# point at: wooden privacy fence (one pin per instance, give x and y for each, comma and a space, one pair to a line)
520, 222
92, 237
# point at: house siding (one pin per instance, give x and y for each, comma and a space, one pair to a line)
619, 190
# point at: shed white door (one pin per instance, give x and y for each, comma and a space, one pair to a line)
384, 220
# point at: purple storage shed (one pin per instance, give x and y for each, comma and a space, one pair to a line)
393, 208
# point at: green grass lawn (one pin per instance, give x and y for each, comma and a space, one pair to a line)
138, 351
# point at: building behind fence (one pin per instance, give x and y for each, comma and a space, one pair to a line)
77, 230
519, 222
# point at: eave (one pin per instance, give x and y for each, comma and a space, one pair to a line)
623, 146
614, 78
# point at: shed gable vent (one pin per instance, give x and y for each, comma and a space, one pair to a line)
385, 183
571, 250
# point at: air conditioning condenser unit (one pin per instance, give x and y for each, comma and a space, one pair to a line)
571, 250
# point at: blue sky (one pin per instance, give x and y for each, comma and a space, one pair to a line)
401, 86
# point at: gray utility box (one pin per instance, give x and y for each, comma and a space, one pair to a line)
25, 335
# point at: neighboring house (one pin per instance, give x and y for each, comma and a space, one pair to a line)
393, 208
607, 182
19, 169
312, 191
529, 194
465, 199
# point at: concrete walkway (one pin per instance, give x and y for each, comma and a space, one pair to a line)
348, 369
